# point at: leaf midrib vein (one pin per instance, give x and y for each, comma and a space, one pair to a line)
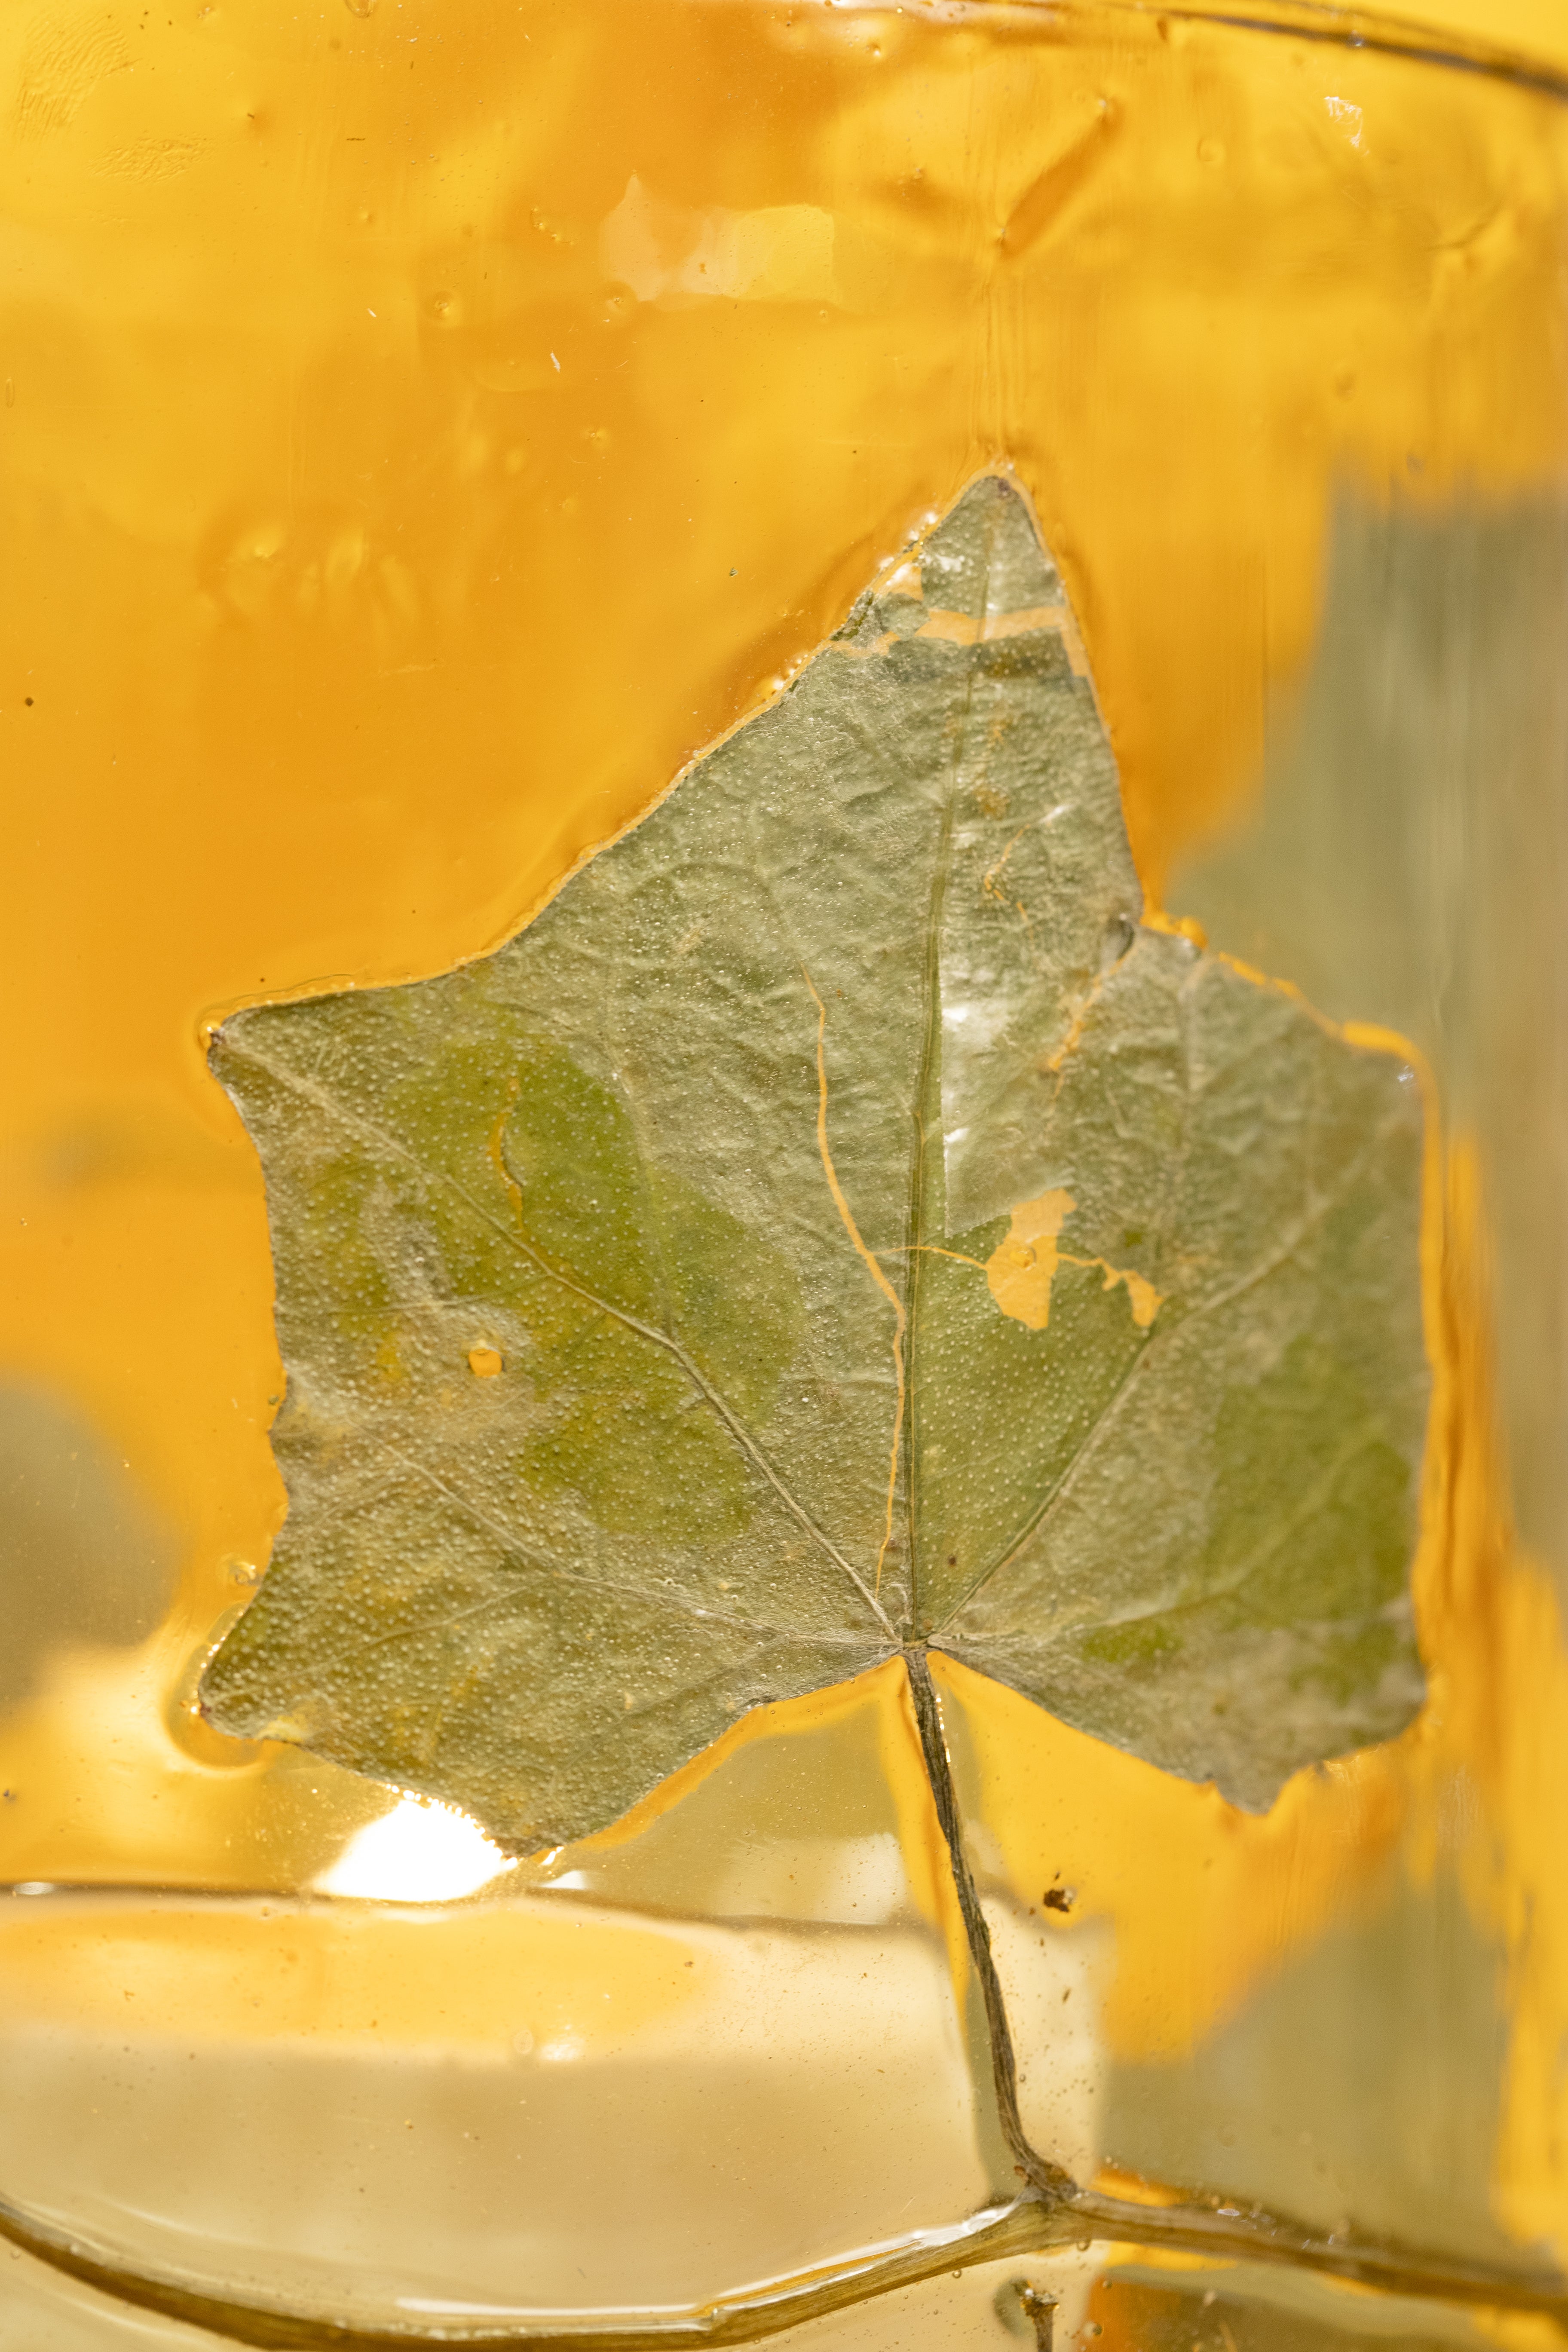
929, 1081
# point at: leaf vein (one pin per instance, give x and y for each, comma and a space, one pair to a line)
378, 1137
1159, 1344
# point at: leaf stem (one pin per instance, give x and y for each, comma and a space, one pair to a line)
750, 2317
1051, 2182
1221, 2228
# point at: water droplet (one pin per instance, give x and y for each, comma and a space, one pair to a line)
522, 2041
359, 7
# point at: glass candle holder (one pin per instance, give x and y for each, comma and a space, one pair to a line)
430, 426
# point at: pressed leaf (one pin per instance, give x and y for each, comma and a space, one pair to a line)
838, 1222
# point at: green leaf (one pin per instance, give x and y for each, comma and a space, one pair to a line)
836, 1222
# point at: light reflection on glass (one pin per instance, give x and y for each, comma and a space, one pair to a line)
418, 1853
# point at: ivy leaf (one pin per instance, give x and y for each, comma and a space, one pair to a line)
837, 1224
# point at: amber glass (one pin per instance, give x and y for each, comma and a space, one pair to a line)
426, 424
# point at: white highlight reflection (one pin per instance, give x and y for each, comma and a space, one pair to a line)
418, 1853
665, 252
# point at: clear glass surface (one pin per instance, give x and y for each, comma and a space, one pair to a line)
426, 426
